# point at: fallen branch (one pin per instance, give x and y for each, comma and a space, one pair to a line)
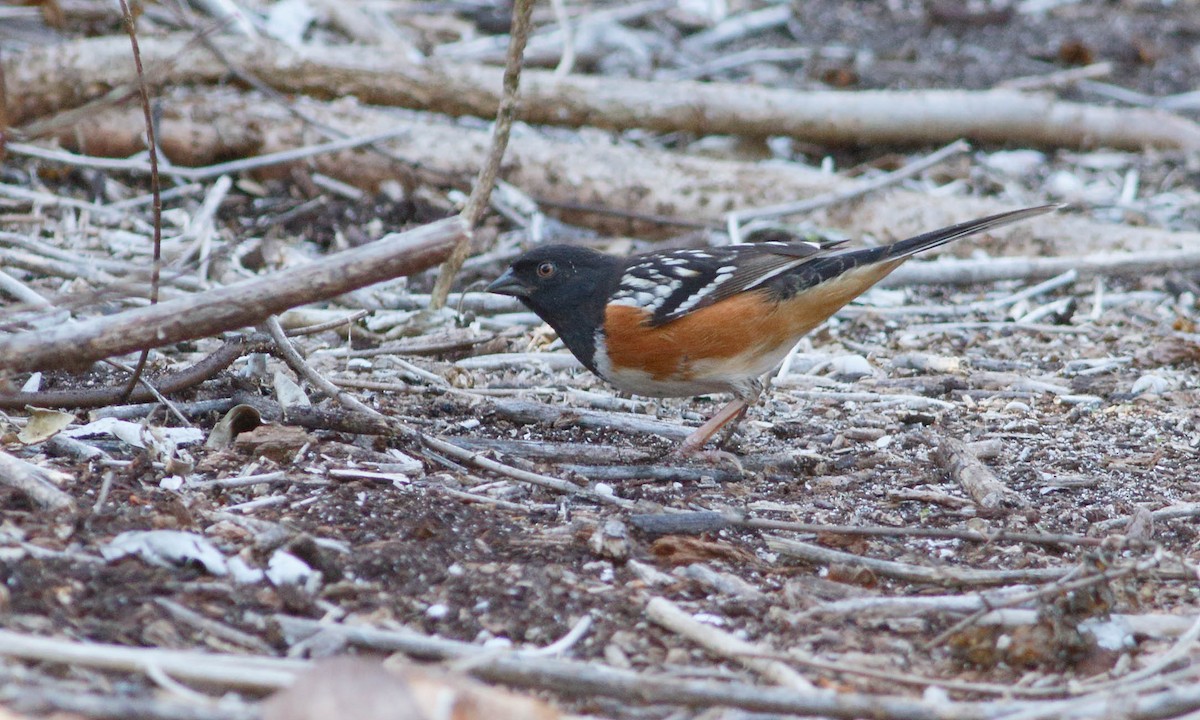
552, 483
1170, 512
980, 483
712, 521
522, 411
859, 189
618, 185
53, 701
669, 615
576, 679
46, 79
563, 452
304, 371
947, 576
230, 307
233, 671
222, 358
35, 483
374, 417
950, 271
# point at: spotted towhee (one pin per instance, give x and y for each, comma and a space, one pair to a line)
689, 322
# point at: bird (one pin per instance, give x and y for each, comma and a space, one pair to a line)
691, 322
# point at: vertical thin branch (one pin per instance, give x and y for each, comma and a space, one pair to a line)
155, 186
3, 115
478, 201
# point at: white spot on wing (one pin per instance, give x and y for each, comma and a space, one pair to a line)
633, 282
666, 288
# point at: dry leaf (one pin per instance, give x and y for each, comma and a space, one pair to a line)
683, 550
1172, 350
240, 418
43, 425
277, 442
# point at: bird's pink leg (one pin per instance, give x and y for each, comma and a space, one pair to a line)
704, 433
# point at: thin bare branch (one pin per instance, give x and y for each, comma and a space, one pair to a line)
478, 201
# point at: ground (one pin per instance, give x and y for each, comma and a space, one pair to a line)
1082, 402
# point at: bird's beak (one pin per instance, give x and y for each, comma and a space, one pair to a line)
509, 284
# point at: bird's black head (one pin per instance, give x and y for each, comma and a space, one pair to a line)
567, 287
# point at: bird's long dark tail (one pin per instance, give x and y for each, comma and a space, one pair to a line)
886, 258
927, 241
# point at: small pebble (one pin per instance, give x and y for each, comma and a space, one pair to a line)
924, 362
885, 297
285, 568
1150, 384
1014, 162
1065, 185
437, 611
850, 367
935, 695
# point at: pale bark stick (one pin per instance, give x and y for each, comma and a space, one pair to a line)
946, 575
522, 411
35, 483
671, 616
43, 80
979, 482
240, 671
578, 679
230, 307
955, 271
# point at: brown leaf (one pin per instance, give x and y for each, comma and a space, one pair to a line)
856, 544
1172, 350
852, 575
1076, 52
277, 442
684, 550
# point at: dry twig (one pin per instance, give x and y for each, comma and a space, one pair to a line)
948, 576
36, 483
155, 187
669, 615
167, 384
232, 306
486, 180
980, 483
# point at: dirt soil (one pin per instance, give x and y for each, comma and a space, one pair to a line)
1082, 402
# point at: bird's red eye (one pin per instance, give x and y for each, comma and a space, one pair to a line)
546, 269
